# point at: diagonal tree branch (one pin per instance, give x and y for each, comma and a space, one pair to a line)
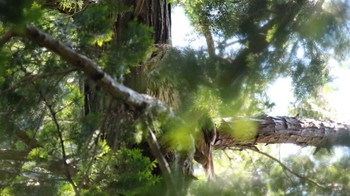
270, 129
304, 178
163, 164
208, 38
95, 73
142, 102
29, 141
285, 167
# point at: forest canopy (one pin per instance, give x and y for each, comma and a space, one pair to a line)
94, 99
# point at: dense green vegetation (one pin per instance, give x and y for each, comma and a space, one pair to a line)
63, 133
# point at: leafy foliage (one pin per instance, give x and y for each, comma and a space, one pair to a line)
124, 172
63, 135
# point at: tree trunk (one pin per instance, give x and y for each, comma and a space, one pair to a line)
269, 130
119, 115
153, 13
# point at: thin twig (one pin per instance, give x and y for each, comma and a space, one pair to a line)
224, 45
58, 129
253, 162
284, 171
290, 170
94, 152
157, 153
227, 155
32, 78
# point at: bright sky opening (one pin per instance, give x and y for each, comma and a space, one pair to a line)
280, 92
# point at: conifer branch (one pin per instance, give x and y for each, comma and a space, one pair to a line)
59, 132
149, 104
101, 78
32, 78
285, 167
15, 155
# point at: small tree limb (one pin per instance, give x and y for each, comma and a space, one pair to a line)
156, 151
64, 155
285, 167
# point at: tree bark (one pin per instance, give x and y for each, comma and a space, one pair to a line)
282, 129
156, 14
96, 74
270, 130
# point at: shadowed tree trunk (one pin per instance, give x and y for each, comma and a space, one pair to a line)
119, 114
155, 14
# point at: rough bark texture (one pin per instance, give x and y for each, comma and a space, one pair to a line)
101, 78
322, 134
155, 14
282, 129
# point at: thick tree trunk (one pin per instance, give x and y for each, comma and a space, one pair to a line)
270, 130
282, 129
120, 116
155, 14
